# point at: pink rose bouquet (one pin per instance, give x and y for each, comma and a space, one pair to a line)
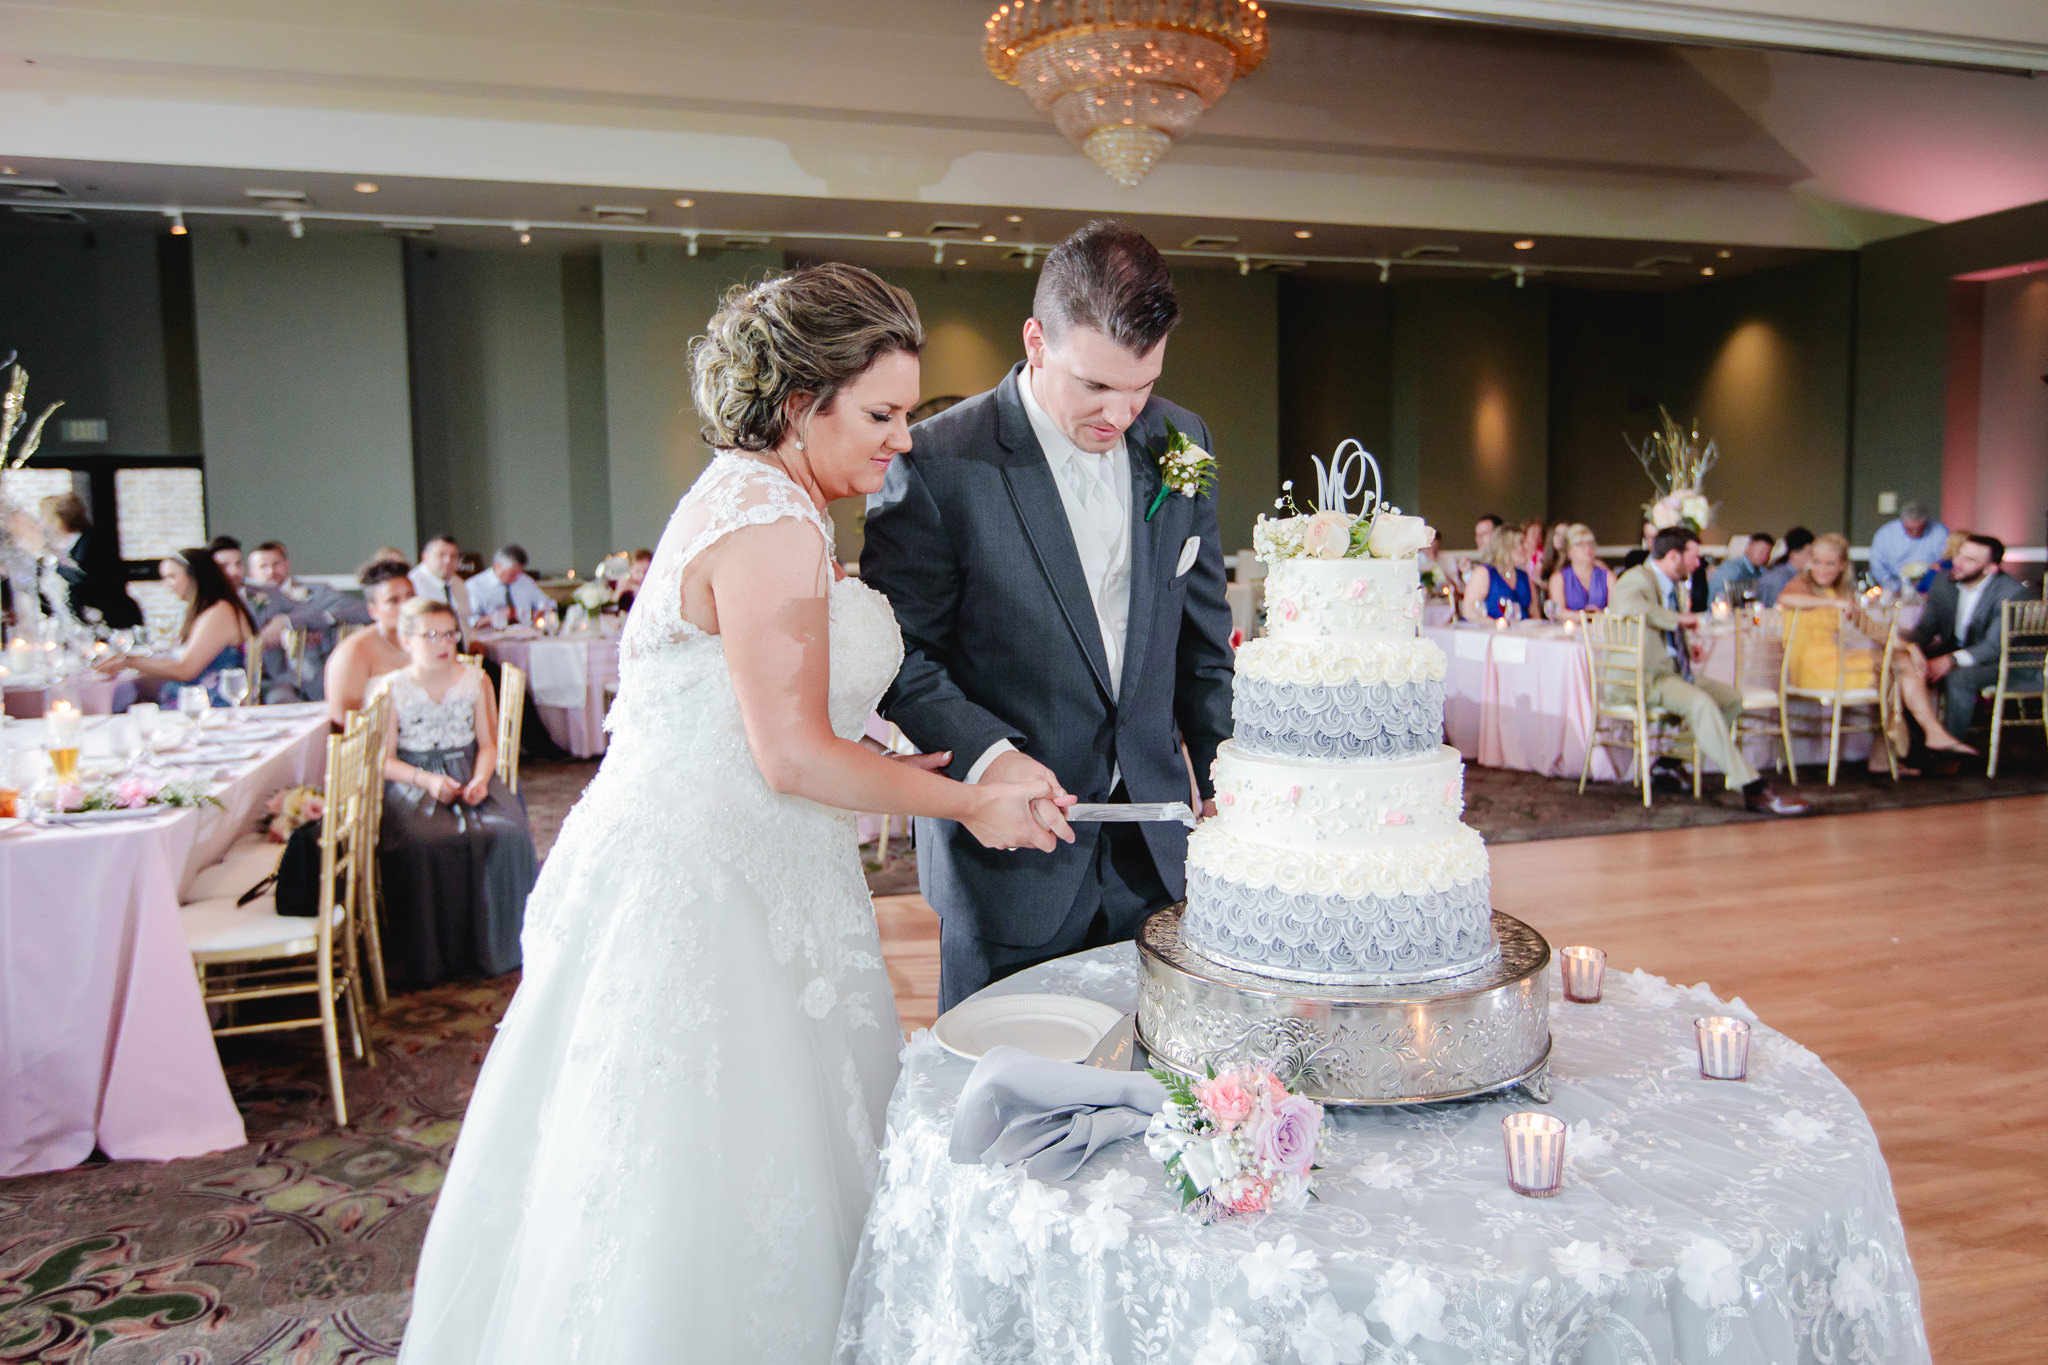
1238, 1142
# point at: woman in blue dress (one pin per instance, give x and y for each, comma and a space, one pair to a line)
1498, 584
216, 636
1581, 582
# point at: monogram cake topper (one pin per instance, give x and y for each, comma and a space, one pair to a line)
1344, 479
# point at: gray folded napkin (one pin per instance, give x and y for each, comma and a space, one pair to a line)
1019, 1108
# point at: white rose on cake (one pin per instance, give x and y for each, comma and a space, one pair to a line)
1328, 535
1395, 536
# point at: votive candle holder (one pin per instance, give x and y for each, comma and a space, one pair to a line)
1724, 1047
1535, 1147
1584, 971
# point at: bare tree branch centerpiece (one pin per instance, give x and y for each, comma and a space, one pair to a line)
1677, 462
22, 547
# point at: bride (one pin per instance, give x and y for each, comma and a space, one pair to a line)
672, 1144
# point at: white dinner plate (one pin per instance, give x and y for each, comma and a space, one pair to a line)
227, 753
1060, 1028
100, 817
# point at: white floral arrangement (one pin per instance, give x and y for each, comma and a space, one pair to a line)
1377, 531
1238, 1142
591, 596
1677, 462
288, 809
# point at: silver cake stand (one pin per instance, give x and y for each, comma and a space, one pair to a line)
1454, 1039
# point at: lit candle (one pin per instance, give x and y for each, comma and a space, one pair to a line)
18, 656
1500, 623
64, 722
1584, 969
1535, 1147
1724, 1047
1571, 627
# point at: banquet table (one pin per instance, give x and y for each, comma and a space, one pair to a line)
1518, 698
1739, 1223
568, 677
104, 1041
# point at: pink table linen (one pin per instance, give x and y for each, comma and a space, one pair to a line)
95, 694
104, 1040
577, 729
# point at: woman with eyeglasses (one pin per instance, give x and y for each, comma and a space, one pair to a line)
455, 851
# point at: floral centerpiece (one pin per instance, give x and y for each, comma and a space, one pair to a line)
1677, 464
1238, 1142
132, 793
288, 809
1376, 531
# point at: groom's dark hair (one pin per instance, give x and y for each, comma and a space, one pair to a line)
1108, 278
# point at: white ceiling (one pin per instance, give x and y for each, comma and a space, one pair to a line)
1356, 119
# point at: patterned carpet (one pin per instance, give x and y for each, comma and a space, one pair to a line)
298, 1248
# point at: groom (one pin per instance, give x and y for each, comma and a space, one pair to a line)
1056, 623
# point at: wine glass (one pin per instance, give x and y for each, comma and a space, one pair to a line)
124, 737
147, 718
234, 685
193, 704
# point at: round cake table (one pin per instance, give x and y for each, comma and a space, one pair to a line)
1702, 1222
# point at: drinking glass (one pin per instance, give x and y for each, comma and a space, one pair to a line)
147, 718
124, 737
193, 704
234, 685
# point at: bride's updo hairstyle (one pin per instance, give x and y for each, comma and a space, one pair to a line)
805, 336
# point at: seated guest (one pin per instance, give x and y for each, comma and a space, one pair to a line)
94, 579
506, 593
1745, 564
1956, 642
1580, 583
1822, 591
369, 654
1708, 707
1535, 553
392, 554
278, 602
438, 577
627, 590
1642, 551
455, 850
1499, 583
216, 635
1913, 540
1772, 581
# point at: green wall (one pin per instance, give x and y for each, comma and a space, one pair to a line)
1222, 363
1336, 380
304, 401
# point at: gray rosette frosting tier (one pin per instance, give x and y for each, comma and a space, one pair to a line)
1343, 721
1340, 940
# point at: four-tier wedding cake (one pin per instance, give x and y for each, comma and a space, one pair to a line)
1338, 918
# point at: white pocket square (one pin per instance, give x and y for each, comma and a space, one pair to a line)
1188, 552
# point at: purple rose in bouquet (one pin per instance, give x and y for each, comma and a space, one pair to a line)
1283, 1134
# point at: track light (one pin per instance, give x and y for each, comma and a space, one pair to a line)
1386, 271
692, 247
177, 223
525, 231
295, 225
938, 253
1244, 265
1521, 277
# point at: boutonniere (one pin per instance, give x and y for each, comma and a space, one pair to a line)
1184, 468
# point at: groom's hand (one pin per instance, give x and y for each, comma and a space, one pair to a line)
1021, 767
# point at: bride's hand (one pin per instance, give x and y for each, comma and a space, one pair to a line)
1001, 815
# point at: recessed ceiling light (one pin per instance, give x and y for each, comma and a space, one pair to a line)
1706, 270
1303, 233
686, 203
988, 237
1011, 218
8, 170
893, 232
1724, 253
366, 187
1526, 244
960, 261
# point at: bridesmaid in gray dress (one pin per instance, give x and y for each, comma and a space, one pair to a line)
455, 851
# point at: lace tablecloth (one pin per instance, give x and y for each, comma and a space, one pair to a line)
1700, 1222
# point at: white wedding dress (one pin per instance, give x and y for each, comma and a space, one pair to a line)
672, 1144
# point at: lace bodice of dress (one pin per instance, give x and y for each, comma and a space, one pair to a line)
425, 724
679, 779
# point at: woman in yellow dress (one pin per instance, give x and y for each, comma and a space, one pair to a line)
1814, 659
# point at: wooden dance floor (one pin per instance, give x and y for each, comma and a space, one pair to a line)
1908, 948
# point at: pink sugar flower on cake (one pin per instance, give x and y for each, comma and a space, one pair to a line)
1356, 590
1294, 796
1287, 609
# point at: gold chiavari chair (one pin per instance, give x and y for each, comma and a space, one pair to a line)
252, 655
273, 957
1852, 631
375, 718
472, 660
1620, 692
1759, 647
511, 722
2022, 650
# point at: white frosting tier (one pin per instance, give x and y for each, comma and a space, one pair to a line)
1331, 663
1358, 807
1353, 601
1457, 859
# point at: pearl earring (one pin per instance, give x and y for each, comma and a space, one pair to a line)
799, 445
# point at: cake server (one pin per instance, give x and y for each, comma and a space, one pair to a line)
1135, 812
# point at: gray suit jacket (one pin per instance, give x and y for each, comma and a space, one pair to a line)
314, 608
1936, 633
970, 542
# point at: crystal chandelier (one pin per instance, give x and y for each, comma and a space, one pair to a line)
1124, 78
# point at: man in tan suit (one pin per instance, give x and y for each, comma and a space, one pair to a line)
1651, 591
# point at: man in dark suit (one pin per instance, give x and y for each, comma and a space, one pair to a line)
1061, 618
1955, 644
91, 570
